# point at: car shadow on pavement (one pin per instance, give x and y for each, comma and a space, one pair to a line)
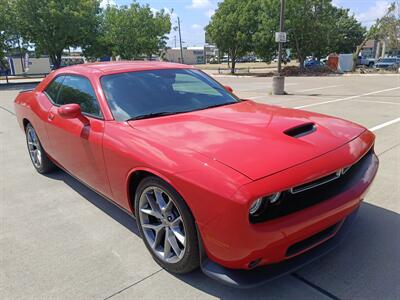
365, 266
100, 202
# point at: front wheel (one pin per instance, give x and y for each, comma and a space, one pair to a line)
166, 226
39, 158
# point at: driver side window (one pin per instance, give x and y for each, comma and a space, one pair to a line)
77, 89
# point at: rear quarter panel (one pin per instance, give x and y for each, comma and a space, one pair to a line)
33, 107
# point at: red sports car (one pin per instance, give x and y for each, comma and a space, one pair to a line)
247, 191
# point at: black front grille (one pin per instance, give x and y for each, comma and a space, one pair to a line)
295, 200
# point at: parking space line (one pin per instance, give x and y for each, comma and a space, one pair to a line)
133, 284
316, 287
7, 110
377, 127
379, 102
319, 88
347, 98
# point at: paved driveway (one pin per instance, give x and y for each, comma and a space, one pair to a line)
60, 240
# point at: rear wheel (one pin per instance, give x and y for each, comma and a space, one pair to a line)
38, 156
167, 226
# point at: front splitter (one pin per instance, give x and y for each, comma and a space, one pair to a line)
261, 275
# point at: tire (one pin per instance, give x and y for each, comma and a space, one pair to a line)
39, 158
161, 212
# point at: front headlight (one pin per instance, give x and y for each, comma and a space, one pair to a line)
259, 204
256, 206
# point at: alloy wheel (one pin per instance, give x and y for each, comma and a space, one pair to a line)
34, 148
162, 224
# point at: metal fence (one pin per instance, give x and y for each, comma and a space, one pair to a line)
19, 78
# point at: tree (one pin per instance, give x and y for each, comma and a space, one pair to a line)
346, 32
267, 23
232, 27
390, 29
6, 33
131, 32
317, 28
376, 31
54, 25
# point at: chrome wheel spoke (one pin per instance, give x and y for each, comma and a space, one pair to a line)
178, 234
160, 199
174, 243
150, 212
167, 245
154, 206
158, 237
155, 227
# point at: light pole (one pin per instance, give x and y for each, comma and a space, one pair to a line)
180, 40
278, 82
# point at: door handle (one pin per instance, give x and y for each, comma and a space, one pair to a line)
51, 116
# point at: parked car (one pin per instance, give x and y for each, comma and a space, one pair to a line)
313, 64
247, 191
388, 63
365, 61
285, 59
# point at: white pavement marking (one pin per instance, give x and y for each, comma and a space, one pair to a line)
319, 88
347, 98
375, 128
380, 102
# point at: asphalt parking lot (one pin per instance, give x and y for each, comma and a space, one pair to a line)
59, 239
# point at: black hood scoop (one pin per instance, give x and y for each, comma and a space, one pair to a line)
301, 130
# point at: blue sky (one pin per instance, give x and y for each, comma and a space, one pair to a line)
195, 14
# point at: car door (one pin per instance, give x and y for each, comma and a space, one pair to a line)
76, 146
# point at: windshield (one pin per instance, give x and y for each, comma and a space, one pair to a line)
146, 94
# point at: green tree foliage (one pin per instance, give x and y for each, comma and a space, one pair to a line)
6, 33
232, 28
267, 18
390, 28
314, 27
54, 25
381, 29
346, 32
317, 28
131, 32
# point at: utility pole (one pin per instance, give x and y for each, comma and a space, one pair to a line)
180, 40
281, 29
278, 82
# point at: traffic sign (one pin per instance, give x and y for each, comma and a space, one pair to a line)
280, 37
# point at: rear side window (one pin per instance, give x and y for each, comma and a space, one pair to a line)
54, 87
77, 89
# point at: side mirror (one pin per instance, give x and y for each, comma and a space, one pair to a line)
72, 111
228, 88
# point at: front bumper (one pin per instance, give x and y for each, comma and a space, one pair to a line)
251, 278
232, 242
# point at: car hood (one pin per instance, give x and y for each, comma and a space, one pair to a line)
256, 140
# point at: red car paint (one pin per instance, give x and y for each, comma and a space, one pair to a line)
220, 160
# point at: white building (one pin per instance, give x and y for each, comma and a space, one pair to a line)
191, 55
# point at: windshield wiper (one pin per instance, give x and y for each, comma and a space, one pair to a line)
152, 115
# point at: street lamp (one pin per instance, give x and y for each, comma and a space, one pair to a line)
278, 82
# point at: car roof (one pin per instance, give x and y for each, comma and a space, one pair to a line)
122, 66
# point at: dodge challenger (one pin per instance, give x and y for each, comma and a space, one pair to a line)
245, 191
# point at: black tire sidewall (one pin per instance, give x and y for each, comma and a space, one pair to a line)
191, 259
